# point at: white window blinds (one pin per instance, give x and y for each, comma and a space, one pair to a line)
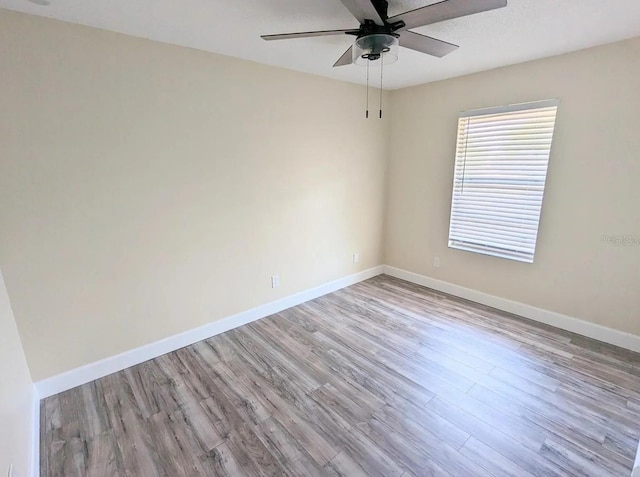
500, 172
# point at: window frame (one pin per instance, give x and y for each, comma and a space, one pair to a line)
478, 247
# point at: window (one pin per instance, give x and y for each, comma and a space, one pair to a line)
498, 184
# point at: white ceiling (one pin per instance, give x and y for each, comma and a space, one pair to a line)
525, 30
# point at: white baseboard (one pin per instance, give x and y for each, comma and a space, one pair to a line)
564, 322
35, 437
84, 374
90, 372
76, 377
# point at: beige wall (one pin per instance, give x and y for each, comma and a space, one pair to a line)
147, 189
16, 395
593, 186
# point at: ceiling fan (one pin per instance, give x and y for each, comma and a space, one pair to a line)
380, 34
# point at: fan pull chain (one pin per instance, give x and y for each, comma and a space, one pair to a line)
367, 113
381, 70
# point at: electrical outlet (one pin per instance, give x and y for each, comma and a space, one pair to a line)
436, 262
356, 257
275, 281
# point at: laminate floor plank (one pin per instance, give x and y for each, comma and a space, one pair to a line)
522, 452
384, 378
282, 445
492, 461
343, 466
554, 423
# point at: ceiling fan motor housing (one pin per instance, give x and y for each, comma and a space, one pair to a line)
382, 6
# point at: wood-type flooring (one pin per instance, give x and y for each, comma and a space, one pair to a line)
383, 378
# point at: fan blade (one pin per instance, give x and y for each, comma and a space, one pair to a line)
346, 58
426, 44
363, 10
445, 10
308, 34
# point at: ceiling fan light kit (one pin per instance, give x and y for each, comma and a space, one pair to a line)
379, 46
379, 35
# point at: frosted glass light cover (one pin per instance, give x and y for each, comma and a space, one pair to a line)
371, 48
